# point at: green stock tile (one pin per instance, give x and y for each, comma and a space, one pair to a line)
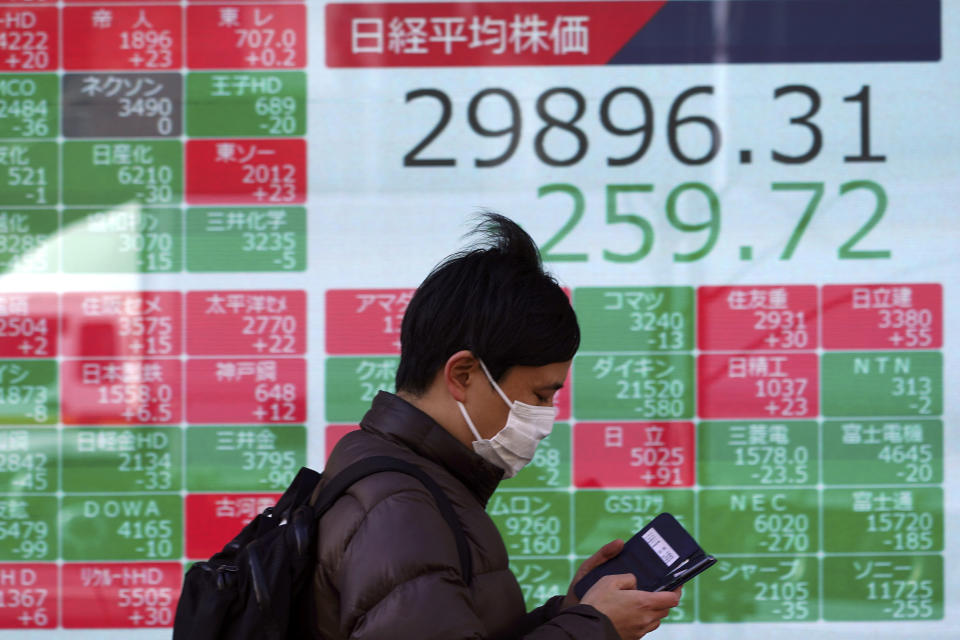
235, 239
29, 173
759, 521
28, 392
260, 104
864, 452
255, 458
758, 589
541, 579
351, 384
757, 453
635, 318
550, 467
533, 523
603, 515
634, 387
125, 239
28, 240
122, 459
28, 460
28, 528
883, 519
882, 383
125, 527
144, 172
875, 588
29, 105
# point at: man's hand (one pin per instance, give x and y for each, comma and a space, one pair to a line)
606, 552
633, 613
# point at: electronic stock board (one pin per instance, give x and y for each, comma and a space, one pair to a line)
213, 215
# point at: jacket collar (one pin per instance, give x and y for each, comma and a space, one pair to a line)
396, 419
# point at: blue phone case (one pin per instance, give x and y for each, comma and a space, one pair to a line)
661, 556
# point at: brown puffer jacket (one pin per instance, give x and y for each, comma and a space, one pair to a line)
387, 561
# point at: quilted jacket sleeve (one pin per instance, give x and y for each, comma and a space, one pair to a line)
399, 577
399, 573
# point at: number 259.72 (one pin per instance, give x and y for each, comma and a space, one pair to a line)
710, 225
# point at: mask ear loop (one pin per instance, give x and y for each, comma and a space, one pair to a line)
494, 383
466, 416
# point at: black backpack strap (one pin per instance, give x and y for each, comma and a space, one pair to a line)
376, 464
298, 492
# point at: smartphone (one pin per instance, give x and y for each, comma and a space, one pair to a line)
681, 575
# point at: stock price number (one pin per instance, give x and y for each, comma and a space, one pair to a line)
625, 112
707, 224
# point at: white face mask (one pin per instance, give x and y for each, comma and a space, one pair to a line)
513, 447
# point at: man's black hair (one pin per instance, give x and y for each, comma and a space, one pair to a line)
493, 299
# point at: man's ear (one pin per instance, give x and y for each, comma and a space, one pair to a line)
459, 373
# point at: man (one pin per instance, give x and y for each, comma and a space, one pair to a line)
486, 342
